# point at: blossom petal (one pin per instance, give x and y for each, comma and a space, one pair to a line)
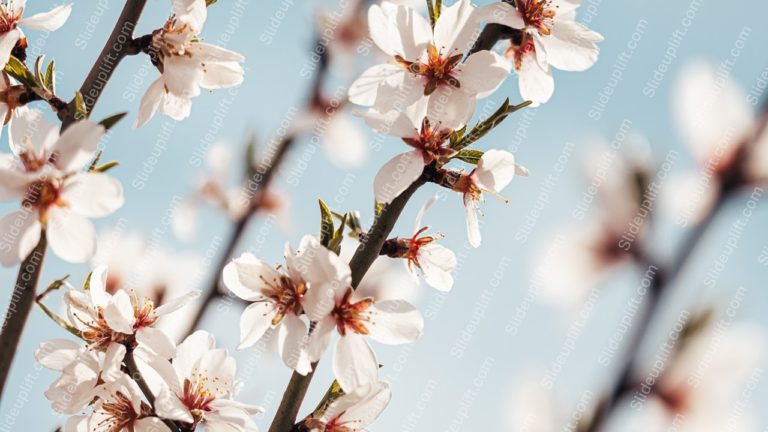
422, 211
119, 313
156, 342
292, 342
392, 123
113, 359
77, 144
169, 406
450, 106
437, 262
254, 322
246, 276
483, 72
71, 236
452, 35
191, 350
177, 303
395, 322
19, 234
150, 102
399, 30
571, 46
48, 21
93, 194
536, 84
473, 226
354, 363
397, 175
7, 42
150, 424
56, 354
371, 402
320, 338
495, 170
365, 89
29, 126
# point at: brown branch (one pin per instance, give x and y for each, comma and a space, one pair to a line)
22, 300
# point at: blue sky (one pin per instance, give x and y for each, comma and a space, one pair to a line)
464, 372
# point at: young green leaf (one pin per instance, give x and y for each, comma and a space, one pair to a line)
112, 120
485, 126
326, 224
50, 77
107, 166
81, 111
469, 156
338, 235
18, 70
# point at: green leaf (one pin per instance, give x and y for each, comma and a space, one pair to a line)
18, 70
485, 126
469, 156
39, 69
50, 77
378, 208
438, 8
335, 243
326, 225
87, 283
107, 166
81, 111
331, 395
112, 120
431, 12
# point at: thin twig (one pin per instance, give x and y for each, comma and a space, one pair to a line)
22, 300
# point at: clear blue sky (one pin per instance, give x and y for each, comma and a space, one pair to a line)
464, 372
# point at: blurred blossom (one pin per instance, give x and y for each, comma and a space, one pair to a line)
533, 408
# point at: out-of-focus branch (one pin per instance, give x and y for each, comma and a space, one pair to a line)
119, 44
22, 300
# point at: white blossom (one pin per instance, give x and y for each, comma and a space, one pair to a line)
11, 15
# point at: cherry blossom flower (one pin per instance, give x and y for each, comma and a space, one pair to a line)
280, 296
384, 280
390, 322
186, 64
354, 411
551, 38
44, 172
422, 255
428, 63
494, 171
82, 370
198, 386
106, 319
11, 14
426, 135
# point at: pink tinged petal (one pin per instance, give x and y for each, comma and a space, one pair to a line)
483, 72
177, 303
344, 142
395, 322
71, 236
437, 262
315, 264
150, 424
13, 181
495, 170
455, 29
168, 406
48, 21
473, 226
176, 107
320, 338
354, 362
56, 354
150, 102
399, 90
119, 313
246, 276
536, 84
7, 42
571, 46
191, 350
422, 211
501, 13
93, 194
19, 234
29, 127
369, 406
78, 423
254, 322
183, 75
365, 89
292, 342
156, 342
392, 123
451, 107
399, 30
76, 146
222, 75
113, 359
397, 175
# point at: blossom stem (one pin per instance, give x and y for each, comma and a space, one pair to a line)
135, 374
118, 45
22, 300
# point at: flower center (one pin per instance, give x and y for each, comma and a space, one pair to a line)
99, 334
352, 316
538, 14
119, 414
518, 52
200, 389
41, 195
7, 18
285, 295
431, 142
438, 70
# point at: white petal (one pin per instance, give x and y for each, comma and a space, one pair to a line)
75, 147
318, 265
571, 46
222, 75
194, 11
320, 338
473, 226
397, 29
71, 236
365, 89
536, 84
182, 76
93, 194
97, 287
254, 322
168, 405
29, 126
113, 360
56, 354
177, 303
495, 170
501, 13
175, 107
395, 322
354, 363
19, 234
392, 123
375, 398
156, 342
150, 424
7, 42
14, 182
150, 102
292, 342
452, 33
48, 21
215, 53
483, 72
437, 262
397, 175
423, 211
451, 107
247, 275
191, 350
119, 313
